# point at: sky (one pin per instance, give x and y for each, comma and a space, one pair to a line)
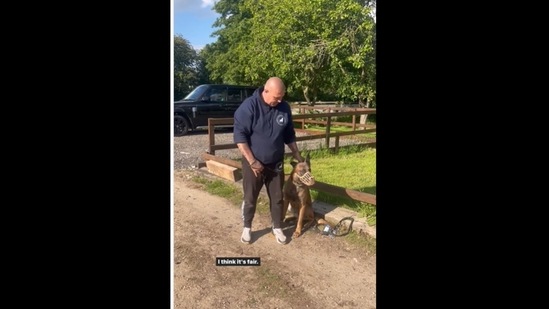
193, 20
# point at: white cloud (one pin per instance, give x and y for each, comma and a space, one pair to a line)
206, 3
192, 5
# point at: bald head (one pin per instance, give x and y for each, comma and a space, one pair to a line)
275, 84
274, 91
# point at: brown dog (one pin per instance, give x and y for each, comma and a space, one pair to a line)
296, 192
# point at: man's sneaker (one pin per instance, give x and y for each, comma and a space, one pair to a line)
246, 235
279, 235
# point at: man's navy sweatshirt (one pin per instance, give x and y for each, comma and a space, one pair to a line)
265, 129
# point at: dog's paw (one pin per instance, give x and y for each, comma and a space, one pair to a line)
296, 234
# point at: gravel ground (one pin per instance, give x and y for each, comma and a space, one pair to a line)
188, 149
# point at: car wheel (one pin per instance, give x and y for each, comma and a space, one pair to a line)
181, 125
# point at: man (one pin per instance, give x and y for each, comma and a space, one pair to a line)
262, 126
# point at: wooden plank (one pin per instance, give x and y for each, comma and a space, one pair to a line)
347, 113
358, 111
343, 192
316, 135
220, 121
213, 148
223, 170
206, 157
335, 123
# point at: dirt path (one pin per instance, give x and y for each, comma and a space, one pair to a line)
312, 271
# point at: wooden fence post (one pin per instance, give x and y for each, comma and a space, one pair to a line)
211, 137
328, 124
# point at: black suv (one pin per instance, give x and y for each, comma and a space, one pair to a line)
208, 101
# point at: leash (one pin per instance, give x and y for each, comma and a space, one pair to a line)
333, 232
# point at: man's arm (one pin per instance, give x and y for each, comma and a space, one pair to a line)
295, 152
245, 150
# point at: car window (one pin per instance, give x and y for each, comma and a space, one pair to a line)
249, 92
234, 95
217, 94
196, 93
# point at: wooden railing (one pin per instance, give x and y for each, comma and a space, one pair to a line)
303, 118
315, 110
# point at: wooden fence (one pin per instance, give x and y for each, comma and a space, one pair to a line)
304, 119
331, 109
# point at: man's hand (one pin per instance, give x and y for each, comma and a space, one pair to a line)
257, 167
298, 157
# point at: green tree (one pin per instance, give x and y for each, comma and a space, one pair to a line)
225, 60
187, 67
320, 48
353, 65
316, 45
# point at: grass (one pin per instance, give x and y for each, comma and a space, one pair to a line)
364, 240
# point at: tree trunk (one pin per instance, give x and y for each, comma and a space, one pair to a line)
306, 96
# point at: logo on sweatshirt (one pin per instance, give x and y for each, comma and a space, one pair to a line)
280, 120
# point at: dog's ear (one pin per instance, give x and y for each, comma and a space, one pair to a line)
293, 163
